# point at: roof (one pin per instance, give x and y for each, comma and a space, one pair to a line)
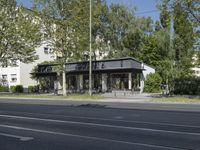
107, 65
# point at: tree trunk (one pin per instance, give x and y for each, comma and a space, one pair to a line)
64, 81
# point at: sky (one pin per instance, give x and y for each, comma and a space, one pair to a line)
144, 7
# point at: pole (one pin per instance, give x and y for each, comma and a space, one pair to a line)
90, 65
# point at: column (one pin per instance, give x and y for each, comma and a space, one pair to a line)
81, 82
59, 78
104, 82
77, 84
141, 83
129, 81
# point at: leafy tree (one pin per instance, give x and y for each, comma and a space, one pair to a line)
19, 33
138, 30
165, 17
44, 81
157, 26
184, 39
100, 21
66, 26
120, 17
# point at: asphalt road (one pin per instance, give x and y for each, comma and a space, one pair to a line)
93, 127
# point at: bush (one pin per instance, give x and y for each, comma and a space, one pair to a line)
187, 86
4, 88
152, 83
17, 89
33, 89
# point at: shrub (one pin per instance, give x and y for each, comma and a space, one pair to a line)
33, 89
152, 83
4, 88
187, 86
17, 89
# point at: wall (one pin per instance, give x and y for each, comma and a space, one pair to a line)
25, 69
8, 71
196, 71
148, 70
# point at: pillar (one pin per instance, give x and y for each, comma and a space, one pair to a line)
59, 80
129, 81
141, 83
104, 82
81, 82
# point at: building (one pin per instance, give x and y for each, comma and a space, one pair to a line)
196, 69
127, 74
18, 73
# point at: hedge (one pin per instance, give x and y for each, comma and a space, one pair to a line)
33, 89
187, 86
4, 88
17, 89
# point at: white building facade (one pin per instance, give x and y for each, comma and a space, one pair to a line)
18, 73
196, 69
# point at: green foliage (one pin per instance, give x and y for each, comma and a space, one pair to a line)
33, 89
187, 86
184, 38
65, 26
165, 16
152, 83
17, 89
19, 33
4, 88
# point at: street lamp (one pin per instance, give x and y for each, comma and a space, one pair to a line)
90, 61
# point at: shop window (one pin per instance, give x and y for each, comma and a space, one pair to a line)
120, 81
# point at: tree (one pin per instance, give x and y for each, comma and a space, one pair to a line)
100, 21
65, 25
19, 33
184, 39
120, 17
138, 30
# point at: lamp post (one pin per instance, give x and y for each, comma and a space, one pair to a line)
90, 61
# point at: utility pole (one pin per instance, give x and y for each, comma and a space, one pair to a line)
90, 61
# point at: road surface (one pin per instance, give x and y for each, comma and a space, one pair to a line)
95, 127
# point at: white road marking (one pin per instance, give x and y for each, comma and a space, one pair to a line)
116, 120
21, 138
89, 137
103, 125
122, 120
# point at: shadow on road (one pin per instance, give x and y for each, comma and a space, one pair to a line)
89, 106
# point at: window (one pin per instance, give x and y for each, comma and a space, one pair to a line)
4, 77
13, 77
4, 64
46, 50
14, 63
51, 51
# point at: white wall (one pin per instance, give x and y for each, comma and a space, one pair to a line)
8, 71
148, 70
196, 71
23, 70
